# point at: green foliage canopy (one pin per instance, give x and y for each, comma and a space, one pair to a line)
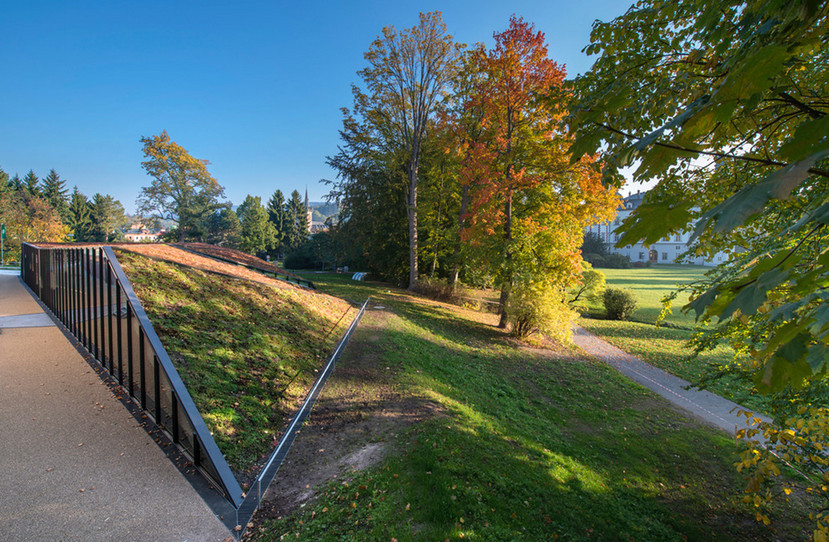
725, 103
182, 188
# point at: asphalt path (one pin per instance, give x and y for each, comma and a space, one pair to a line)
75, 465
702, 404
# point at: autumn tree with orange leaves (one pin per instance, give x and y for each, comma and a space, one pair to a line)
528, 205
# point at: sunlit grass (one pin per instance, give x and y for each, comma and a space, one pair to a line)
245, 350
529, 448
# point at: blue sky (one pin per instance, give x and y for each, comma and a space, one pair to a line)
254, 87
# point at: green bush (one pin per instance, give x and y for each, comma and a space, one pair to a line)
592, 285
537, 305
619, 304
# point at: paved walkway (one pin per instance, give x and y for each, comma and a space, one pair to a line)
74, 463
701, 403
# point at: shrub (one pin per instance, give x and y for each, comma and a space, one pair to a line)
619, 304
592, 285
539, 306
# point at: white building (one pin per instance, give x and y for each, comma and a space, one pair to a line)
666, 250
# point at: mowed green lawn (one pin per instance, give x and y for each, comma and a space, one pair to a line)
529, 444
666, 347
651, 285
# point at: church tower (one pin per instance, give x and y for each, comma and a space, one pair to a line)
308, 212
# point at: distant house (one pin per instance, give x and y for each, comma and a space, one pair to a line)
666, 250
143, 235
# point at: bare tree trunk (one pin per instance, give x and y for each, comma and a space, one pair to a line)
412, 213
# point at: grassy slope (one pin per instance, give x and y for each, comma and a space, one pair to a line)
665, 347
534, 446
245, 350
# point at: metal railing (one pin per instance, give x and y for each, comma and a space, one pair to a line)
86, 289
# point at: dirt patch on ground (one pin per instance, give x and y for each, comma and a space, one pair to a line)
352, 424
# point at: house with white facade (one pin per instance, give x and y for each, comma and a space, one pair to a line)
666, 250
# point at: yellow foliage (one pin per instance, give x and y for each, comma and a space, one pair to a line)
799, 443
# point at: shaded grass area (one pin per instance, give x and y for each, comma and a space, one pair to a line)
535, 445
246, 351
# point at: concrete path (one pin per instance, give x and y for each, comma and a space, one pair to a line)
75, 465
701, 403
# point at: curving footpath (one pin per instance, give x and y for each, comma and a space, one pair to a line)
74, 463
701, 403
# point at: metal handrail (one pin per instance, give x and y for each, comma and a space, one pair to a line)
77, 284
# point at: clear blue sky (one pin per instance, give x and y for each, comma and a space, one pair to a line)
253, 87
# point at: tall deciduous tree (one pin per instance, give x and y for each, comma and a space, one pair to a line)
28, 219
528, 204
182, 188
406, 74
726, 104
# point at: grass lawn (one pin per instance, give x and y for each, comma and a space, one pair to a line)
650, 285
246, 351
532, 445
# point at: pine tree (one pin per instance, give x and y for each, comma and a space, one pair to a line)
257, 231
31, 184
297, 222
15, 184
277, 217
54, 190
80, 217
106, 213
4, 181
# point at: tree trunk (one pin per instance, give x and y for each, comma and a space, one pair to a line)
456, 265
412, 213
506, 286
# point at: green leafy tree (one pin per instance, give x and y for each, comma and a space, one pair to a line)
594, 244
55, 192
592, 286
182, 189
257, 233
725, 104
80, 217
407, 72
277, 216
